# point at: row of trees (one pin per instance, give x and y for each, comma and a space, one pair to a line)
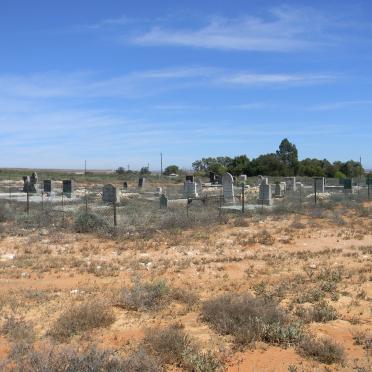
284, 162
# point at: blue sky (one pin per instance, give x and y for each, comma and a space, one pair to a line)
118, 82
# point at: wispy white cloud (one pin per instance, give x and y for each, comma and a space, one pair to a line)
283, 29
246, 79
142, 84
341, 105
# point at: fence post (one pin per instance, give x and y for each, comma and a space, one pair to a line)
86, 201
63, 212
42, 200
369, 185
243, 196
28, 203
315, 190
115, 221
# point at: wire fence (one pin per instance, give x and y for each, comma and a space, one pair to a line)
139, 208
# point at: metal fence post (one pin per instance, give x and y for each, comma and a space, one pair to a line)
369, 185
315, 190
243, 196
115, 221
28, 203
86, 201
63, 212
42, 200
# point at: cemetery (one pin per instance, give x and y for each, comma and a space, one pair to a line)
146, 253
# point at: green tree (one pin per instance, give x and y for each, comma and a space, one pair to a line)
288, 154
170, 169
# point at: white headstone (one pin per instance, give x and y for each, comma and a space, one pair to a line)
228, 188
319, 184
265, 195
291, 183
189, 190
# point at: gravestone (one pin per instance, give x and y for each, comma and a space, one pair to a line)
158, 191
291, 183
228, 188
279, 190
212, 177
243, 178
265, 195
111, 194
190, 178
30, 183
284, 186
125, 185
319, 184
141, 182
260, 179
190, 190
48, 186
348, 185
163, 202
299, 186
68, 187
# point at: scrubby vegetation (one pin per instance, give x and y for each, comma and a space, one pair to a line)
251, 319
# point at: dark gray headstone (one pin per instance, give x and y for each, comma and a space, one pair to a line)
212, 177
348, 184
163, 201
125, 185
48, 186
190, 178
141, 182
68, 186
110, 194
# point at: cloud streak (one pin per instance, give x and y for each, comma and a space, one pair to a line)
284, 29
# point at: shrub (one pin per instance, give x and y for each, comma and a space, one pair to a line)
174, 346
91, 222
320, 312
6, 212
250, 319
145, 296
16, 329
169, 344
80, 318
324, 350
69, 359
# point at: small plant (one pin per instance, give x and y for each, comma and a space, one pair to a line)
69, 359
17, 329
91, 222
80, 318
251, 319
144, 296
173, 346
320, 312
324, 350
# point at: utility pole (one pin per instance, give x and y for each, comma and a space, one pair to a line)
161, 164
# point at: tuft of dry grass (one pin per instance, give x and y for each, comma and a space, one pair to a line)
80, 318
324, 350
251, 319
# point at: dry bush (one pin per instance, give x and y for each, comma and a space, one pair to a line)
69, 359
321, 312
153, 296
324, 350
169, 343
17, 329
144, 296
173, 346
91, 223
251, 319
80, 318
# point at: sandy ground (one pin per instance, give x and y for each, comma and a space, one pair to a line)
43, 273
